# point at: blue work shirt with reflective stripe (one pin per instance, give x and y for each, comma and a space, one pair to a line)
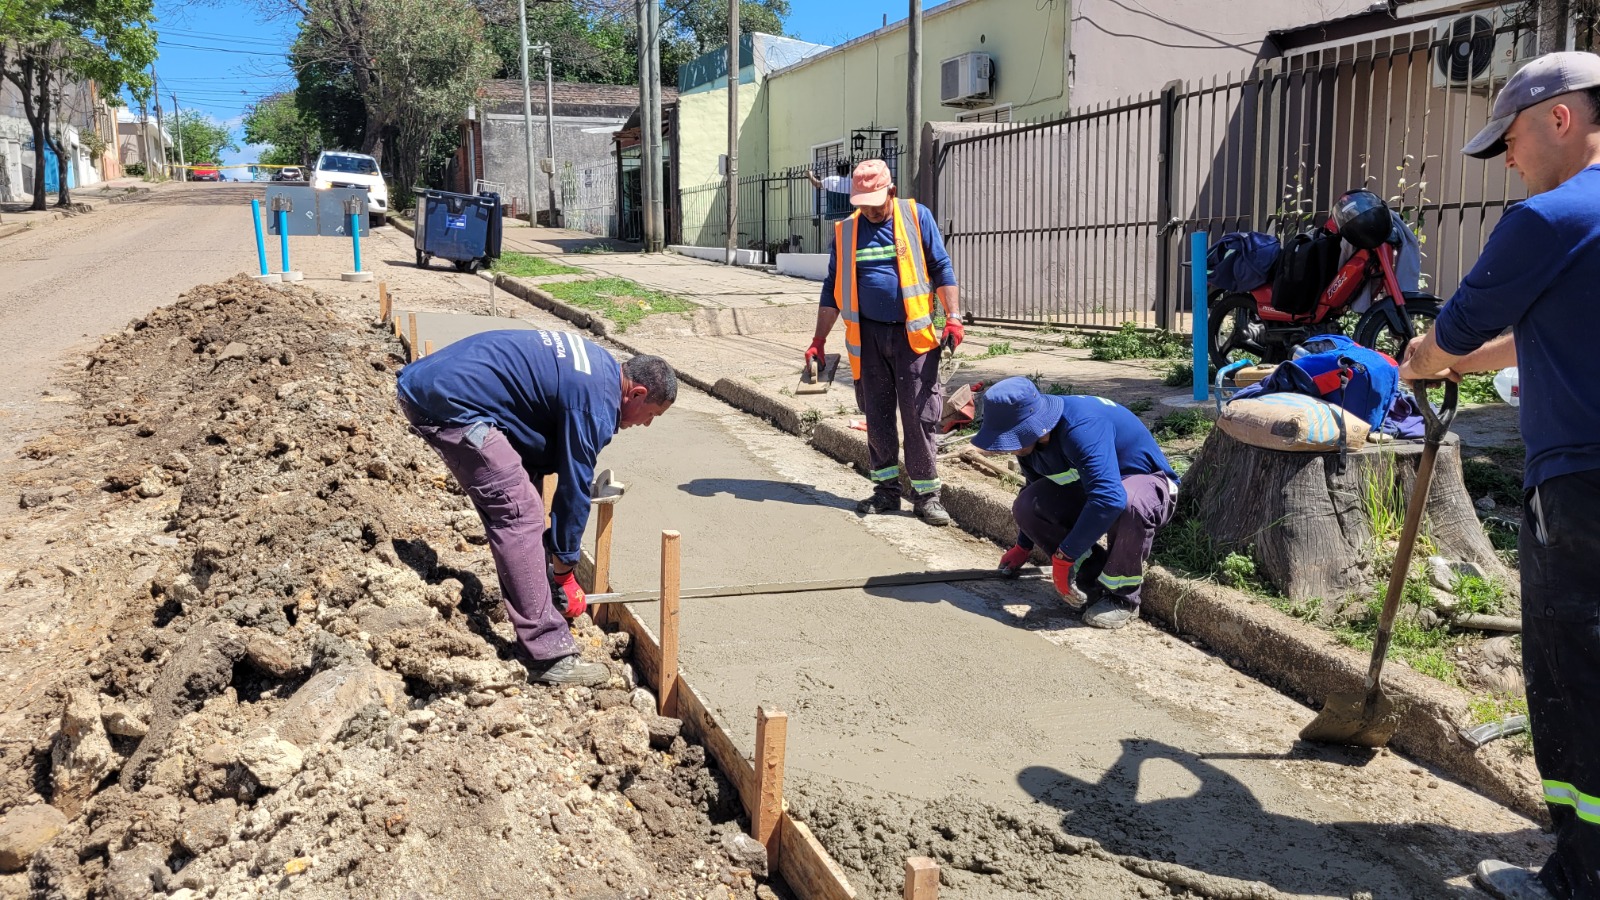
554, 395
1096, 444
878, 275
1539, 275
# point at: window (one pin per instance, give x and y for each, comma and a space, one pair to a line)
992, 114
825, 162
889, 149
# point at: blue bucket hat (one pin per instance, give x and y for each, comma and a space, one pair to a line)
1015, 415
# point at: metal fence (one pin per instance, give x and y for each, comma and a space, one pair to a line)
779, 212
589, 198
1082, 220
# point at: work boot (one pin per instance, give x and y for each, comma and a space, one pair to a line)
933, 512
880, 502
1508, 882
569, 670
1111, 613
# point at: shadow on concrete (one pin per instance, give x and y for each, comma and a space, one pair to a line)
586, 245
760, 491
1198, 815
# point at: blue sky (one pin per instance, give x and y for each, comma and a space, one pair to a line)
220, 57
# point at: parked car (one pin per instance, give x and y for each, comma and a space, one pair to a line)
290, 173
343, 169
205, 173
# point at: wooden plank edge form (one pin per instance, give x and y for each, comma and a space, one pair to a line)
803, 862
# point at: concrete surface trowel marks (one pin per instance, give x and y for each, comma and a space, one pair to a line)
935, 720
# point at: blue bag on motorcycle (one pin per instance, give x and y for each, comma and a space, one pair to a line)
1241, 261
1306, 266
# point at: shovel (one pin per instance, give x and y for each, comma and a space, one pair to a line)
1368, 718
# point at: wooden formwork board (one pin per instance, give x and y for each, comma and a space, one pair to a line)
803, 863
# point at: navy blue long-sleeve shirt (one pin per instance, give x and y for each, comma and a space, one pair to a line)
1096, 444
554, 395
1539, 275
877, 275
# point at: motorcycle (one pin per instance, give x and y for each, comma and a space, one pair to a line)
1245, 325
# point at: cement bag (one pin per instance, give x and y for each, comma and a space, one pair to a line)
1287, 421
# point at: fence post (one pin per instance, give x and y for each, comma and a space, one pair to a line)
1269, 117
1197, 319
1166, 165
764, 246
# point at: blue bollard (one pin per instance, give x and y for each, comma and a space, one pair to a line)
283, 237
261, 243
355, 238
1197, 318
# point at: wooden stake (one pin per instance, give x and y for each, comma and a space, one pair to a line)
411, 329
772, 736
922, 879
383, 301
667, 683
602, 548
396, 323
427, 348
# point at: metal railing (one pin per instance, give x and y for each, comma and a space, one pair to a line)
1081, 220
779, 212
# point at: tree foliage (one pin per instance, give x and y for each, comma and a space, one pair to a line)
291, 138
47, 45
203, 138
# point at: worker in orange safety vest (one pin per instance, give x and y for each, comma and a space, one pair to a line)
887, 263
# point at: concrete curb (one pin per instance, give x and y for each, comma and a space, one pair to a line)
1293, 657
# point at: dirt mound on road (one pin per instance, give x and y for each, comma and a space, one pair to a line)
304, 680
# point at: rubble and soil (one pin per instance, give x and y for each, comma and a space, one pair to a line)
304, 680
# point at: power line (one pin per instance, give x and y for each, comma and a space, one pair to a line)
221, 49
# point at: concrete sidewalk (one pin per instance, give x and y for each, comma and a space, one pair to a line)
16, 217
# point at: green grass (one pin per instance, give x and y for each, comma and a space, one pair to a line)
1479, 595
1141, 406
1132, 342
1182, 423
998, 348
1425, 649
1479, 389
1180, 373
618, 299
1486, 475
523, 265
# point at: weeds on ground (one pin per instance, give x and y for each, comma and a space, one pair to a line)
524, 265
1141, 406
1132, 342
1182, 423
1058, 389
594, 248
998, 348
811, 417
1475, 595
1425, 648
1485, 476
1181, 374
618, 299
1489, 708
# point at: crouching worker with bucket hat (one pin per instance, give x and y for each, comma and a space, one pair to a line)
1093, 470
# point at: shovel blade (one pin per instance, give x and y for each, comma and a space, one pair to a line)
819, 381
1350, 719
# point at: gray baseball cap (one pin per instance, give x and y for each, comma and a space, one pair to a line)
1538, 81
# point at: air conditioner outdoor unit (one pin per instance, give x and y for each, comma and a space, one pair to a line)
967, 80
1478, 51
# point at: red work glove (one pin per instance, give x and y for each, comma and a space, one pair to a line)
815, 351
1015, 558
567, 584
954, 333
1061, 575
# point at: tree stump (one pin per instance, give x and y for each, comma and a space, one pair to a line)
1308, 523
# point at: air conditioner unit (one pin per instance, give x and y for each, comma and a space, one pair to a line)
967, 80
1478, 51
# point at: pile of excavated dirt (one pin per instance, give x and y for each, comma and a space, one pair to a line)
305, 683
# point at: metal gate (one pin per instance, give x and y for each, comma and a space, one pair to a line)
1081, 221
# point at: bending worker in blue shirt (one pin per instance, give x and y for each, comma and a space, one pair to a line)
887, 263
1092, 470
502, 408
1539, 275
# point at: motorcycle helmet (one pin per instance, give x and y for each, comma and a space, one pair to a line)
1363, 219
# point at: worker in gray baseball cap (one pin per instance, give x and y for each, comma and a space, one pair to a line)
1539, 277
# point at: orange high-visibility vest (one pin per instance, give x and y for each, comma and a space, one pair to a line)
915, 291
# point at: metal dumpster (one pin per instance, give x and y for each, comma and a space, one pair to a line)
463, 228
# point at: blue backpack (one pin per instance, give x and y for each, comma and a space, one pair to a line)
1342, 372
1241, 261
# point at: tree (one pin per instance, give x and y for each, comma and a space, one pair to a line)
203, 138
704, 23
49, 43
291, 139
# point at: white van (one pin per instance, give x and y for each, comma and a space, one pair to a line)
339, 168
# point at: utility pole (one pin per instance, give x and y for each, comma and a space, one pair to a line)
527, 104
646, 104
913, 136
550, 133
161, 128
732, 188
655, 240
177, 115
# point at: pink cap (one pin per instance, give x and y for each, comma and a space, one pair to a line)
870, 183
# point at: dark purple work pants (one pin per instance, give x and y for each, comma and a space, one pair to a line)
1046, 511
895, 378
